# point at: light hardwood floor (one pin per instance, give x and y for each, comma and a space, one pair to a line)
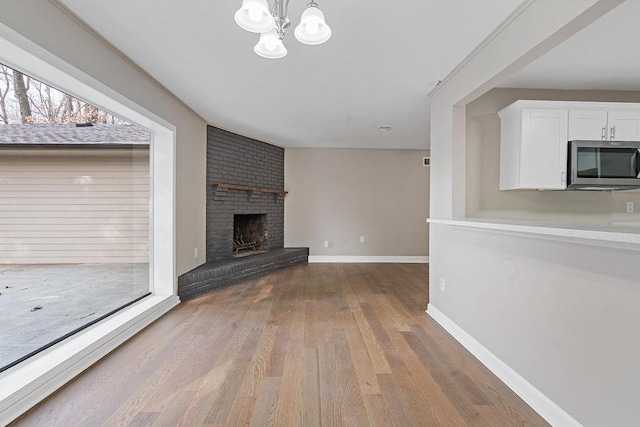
318, 344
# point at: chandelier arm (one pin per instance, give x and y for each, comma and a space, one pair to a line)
280, 8
279, 13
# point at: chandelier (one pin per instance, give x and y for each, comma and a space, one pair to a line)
256, 17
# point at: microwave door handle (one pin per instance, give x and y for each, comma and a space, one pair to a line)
636, 158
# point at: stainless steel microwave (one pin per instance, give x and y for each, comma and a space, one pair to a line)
603, 165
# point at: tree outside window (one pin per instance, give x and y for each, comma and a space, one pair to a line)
26, 100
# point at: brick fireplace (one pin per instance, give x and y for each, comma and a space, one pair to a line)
234, 160
245, 182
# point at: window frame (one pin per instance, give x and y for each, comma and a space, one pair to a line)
29, 382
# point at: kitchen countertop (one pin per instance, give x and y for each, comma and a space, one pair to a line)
615, 234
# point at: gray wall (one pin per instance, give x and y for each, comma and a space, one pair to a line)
238, 160
483, 199
563, 315
339, 195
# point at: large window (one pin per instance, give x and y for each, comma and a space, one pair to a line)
24, 384
74, 215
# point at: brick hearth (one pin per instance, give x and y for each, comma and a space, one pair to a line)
211, 276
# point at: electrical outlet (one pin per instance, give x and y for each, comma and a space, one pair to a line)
442, 284
361, 239
630, 208
326, 244
195, 252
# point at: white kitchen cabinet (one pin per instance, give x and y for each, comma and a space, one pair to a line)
587, 125
613, 125
624, 125
533, 147
534, 137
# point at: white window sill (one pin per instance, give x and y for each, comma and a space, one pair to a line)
29, 382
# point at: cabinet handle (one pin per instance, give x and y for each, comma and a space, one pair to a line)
604, 133
613, 133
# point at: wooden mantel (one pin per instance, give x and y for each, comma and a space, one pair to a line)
252, 189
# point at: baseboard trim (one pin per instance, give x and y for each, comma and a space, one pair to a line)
540, 403
367, 259
30, 382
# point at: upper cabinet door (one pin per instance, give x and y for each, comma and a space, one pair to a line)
624, 125
544, 149
588, 125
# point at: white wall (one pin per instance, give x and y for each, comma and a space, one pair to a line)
560, 314
44, 24
338, 195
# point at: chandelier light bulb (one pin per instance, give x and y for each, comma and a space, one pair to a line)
270, 46
254, 16
312, 29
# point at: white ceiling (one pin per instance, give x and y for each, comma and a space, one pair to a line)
375, 70
605, 55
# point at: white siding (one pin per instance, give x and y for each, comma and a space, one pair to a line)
74, 206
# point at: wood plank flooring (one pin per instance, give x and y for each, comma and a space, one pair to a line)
317, 344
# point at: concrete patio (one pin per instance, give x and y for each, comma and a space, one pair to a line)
40, 303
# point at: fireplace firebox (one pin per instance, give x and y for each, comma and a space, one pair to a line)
249, 234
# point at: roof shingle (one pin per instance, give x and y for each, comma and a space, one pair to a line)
70, 134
